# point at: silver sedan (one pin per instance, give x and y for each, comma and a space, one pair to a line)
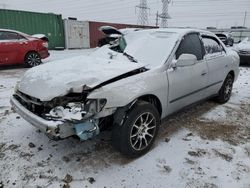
128, 85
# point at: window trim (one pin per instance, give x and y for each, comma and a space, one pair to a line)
20, 37
201, 43
213, 38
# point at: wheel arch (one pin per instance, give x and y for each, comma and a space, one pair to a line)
232, 74
120, 115
150, 98
30, 51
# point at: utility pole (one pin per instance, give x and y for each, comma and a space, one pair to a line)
244, 23
164, 15
245, 17
157, 19
143, 13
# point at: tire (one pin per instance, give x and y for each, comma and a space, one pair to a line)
226, 90
137, 134
32, 59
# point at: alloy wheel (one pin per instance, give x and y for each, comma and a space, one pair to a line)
33, 59
228, 89
143, 131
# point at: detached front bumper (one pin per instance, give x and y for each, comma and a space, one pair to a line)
56, 129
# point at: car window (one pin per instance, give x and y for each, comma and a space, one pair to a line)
211, 45
10, 36
191, 44
21, 37
3, 35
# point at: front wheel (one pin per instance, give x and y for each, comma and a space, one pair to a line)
32, 59
137, 133
226, 90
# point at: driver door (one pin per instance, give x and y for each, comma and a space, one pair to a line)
11, 47
187, 83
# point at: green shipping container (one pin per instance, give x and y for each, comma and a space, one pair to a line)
31, 23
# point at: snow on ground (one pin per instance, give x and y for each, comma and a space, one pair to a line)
241, 95
204, 146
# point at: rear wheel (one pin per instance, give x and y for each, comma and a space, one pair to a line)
226, 90
137, 134
32, 59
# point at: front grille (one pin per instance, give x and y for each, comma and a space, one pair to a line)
30, 103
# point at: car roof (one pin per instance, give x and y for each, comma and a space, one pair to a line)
10, 30
181, 31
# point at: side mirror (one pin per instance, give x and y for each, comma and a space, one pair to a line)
186, 60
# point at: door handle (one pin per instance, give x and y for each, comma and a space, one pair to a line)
23, 43
203, 74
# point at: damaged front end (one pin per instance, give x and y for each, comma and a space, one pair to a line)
63, 110
84, 116
65, 116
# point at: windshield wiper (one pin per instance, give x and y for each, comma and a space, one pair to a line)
131, 58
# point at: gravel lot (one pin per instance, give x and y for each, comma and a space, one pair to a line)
207, 145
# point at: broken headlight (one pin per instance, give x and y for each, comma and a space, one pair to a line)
94, 106
72, 111
77, 111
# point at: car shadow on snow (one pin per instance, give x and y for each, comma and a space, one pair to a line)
11, 67
45, 159
98, 153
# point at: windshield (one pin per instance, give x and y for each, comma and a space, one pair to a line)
151, 47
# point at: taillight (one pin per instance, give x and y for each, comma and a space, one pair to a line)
45, 44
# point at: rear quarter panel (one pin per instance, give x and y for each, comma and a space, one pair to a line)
233, 62
32, 45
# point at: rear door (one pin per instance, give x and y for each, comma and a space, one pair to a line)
217, 63
187, 84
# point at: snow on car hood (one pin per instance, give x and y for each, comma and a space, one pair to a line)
58, 78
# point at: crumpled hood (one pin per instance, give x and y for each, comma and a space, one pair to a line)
58, 78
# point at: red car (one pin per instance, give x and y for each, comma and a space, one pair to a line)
20, 48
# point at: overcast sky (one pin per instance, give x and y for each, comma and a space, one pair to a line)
193, 13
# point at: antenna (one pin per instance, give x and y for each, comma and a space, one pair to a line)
143, 13
164, 15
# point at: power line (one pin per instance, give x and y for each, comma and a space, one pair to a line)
164, 15
113, 9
